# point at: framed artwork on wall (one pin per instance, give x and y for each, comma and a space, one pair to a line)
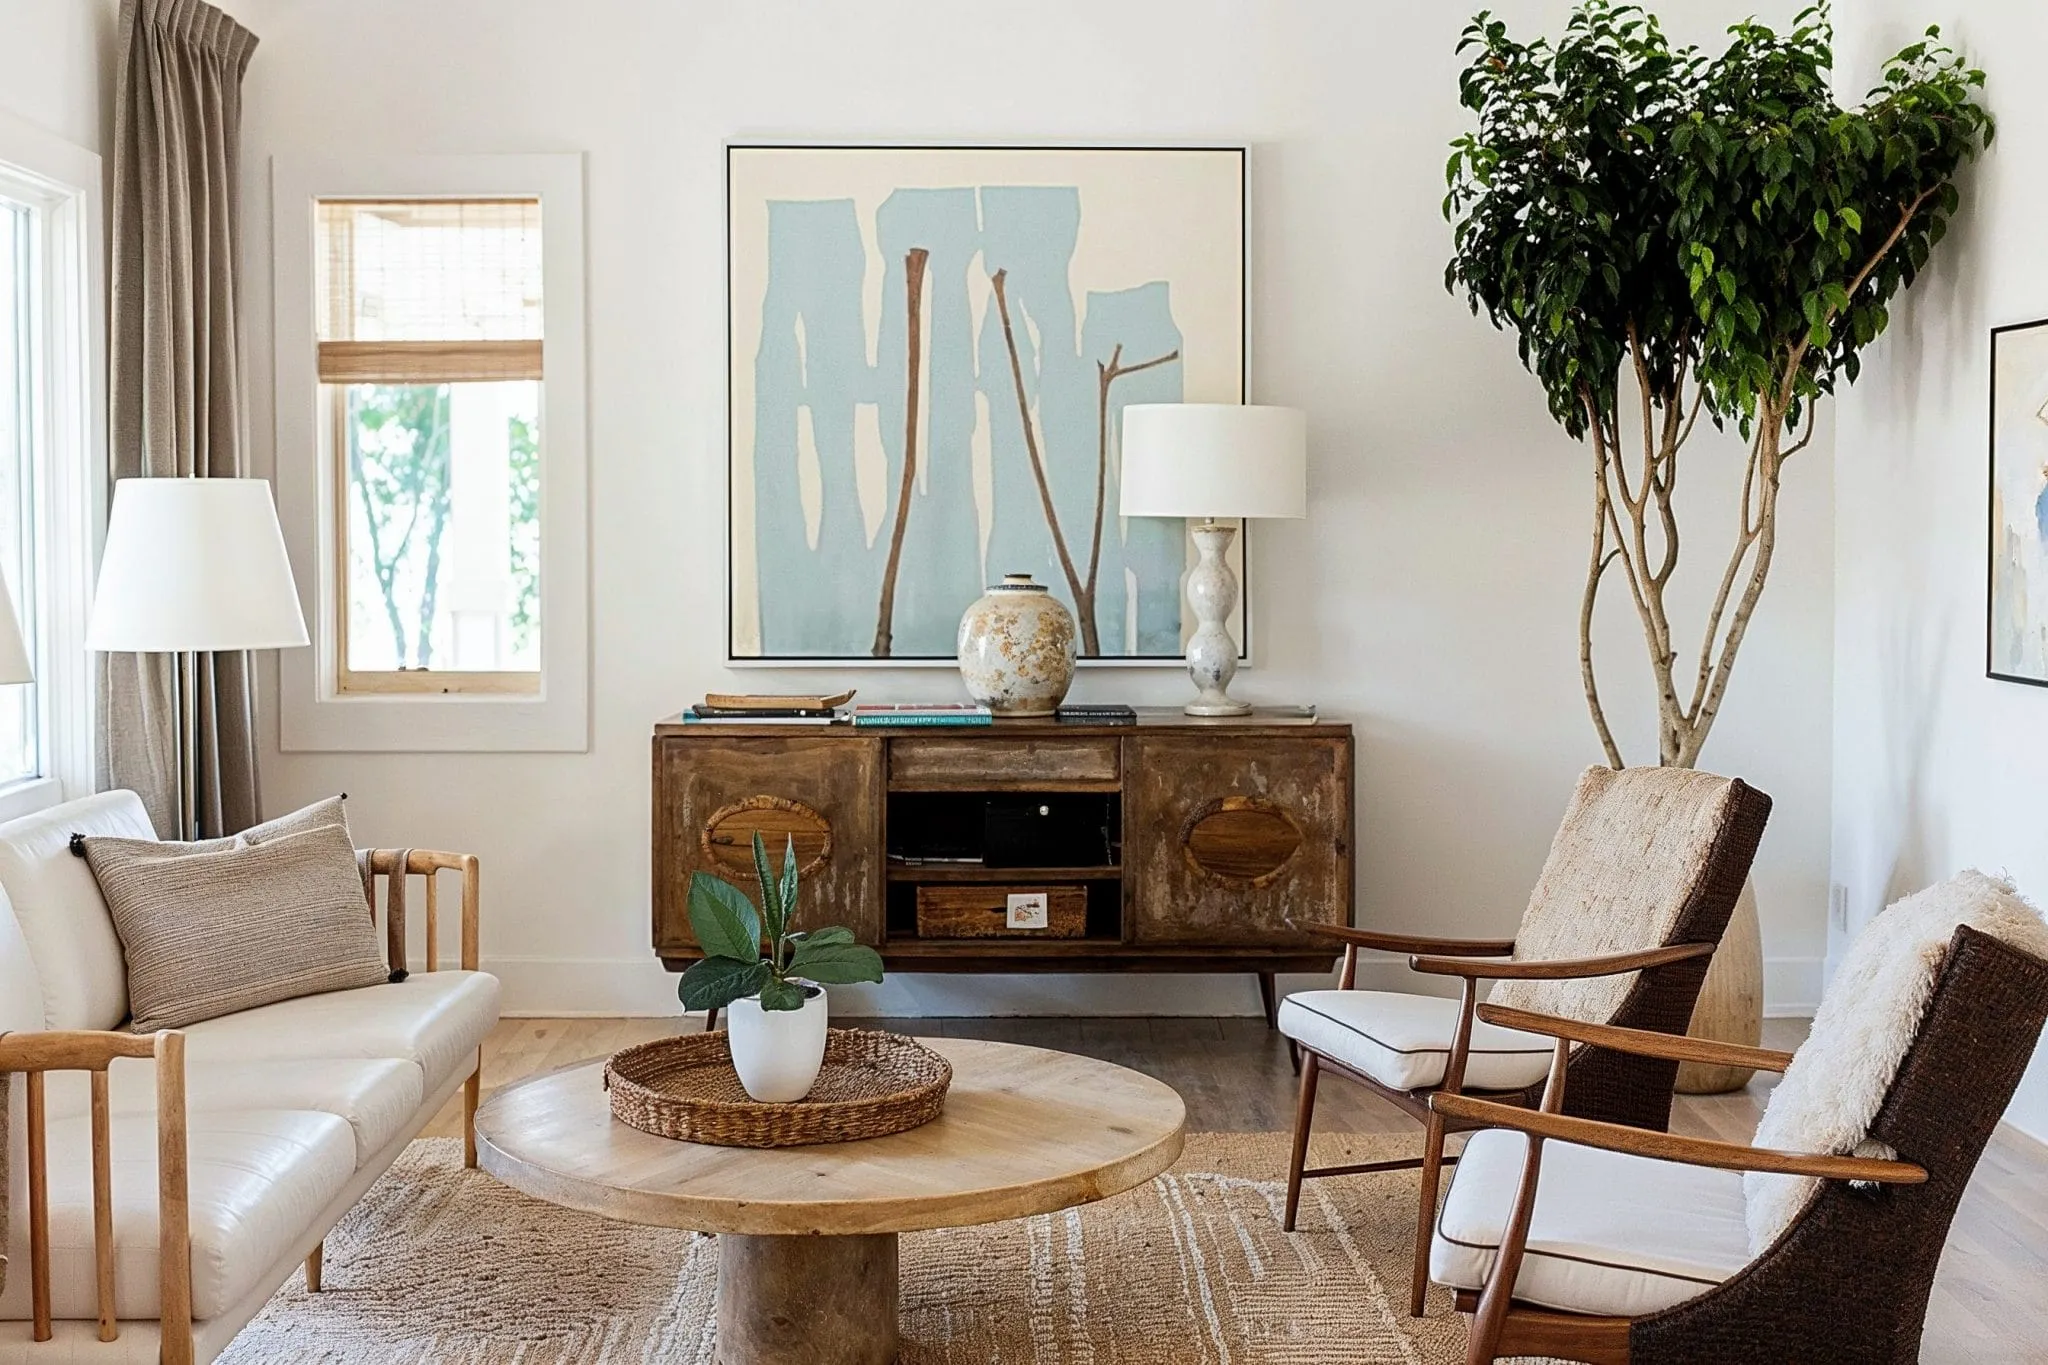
2016, 644
929, 350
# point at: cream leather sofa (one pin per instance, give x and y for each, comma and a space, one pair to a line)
290, 1111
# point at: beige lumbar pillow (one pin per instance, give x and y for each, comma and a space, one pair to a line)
230, 924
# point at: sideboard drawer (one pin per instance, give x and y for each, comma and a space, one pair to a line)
930, 763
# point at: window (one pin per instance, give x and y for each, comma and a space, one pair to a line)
430, 345
21, 746
428, 342
52, 456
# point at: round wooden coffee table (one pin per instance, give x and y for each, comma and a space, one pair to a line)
807, 1235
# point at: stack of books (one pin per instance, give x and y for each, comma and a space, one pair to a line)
732, 708
921, 713
1096, 713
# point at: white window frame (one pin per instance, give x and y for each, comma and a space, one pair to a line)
313, 713
62, 182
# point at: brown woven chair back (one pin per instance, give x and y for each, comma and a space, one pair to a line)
1645, 857
1850, 1280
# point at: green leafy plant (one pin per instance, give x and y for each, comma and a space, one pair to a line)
732, 934
1666, 232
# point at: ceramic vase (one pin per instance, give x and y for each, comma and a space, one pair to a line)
778, 1052
1016, 648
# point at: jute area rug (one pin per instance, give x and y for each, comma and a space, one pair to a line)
442, 1265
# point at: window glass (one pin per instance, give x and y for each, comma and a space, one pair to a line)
20, 364
429, 331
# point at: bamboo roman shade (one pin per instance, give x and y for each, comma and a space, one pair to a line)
428, 291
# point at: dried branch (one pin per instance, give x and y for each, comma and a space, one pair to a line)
1106, 376
1052, 516
913, 349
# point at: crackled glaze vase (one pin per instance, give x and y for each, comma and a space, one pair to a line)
1016, 648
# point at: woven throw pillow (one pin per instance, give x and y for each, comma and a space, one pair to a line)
220, 930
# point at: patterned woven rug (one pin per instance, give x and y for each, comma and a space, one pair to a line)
442, 1265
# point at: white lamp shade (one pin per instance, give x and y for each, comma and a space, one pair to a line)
194, 565
15, 666
1214, 460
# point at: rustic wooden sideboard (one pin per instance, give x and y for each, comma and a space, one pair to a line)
1198, 844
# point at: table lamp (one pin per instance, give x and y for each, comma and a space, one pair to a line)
194, 566
1214, 460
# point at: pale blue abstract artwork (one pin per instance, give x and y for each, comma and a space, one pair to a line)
930, 352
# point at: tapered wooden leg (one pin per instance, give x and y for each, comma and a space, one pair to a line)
313, 1268
1269, 996
1304, 1113
807, 1300
472, 1089
711, 1019
1425, 1211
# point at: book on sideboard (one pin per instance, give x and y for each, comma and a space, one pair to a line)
909, 714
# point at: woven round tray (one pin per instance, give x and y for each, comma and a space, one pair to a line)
872, 1084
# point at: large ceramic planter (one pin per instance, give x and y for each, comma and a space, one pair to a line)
777, 1052
1016, 649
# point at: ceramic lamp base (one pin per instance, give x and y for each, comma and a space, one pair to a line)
1212, 654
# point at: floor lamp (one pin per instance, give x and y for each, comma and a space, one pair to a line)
191, 567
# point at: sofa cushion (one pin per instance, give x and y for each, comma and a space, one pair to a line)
376, 1096
232, 928
436, 1020
1404, 1041
259, 1180
61, 912
1612, 1234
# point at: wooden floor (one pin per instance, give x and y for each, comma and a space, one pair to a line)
1990, 1304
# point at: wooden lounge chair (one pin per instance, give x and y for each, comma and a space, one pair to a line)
1635, 894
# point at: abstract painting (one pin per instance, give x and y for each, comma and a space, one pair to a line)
930, 351
2017, 647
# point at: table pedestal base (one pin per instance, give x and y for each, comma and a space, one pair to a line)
807, 1300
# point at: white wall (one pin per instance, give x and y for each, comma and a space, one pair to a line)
57, 66
1430, 598
1938, 768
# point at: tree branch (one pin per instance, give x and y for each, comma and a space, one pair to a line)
1596, 568
1052, 517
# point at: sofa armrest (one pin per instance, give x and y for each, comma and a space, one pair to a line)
396, 865
61, 1050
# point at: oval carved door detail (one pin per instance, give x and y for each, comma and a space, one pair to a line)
728, 835
1241, 839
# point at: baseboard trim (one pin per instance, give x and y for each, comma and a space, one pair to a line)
638, 987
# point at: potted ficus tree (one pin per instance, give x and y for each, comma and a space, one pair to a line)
769, 976
1669, 234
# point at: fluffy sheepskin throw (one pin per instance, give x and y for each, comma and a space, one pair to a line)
1866, 1023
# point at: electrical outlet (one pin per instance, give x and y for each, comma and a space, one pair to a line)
1838, 908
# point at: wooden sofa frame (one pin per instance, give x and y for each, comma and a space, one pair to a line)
93, 1051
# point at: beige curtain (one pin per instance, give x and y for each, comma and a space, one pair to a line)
178, 729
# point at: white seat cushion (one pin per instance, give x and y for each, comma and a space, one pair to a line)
1612, 1234
61, 912
259, 1179
374, 1095
1404, 1041
436, 1020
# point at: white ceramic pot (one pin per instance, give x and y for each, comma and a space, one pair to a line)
1016, 649
777, 1052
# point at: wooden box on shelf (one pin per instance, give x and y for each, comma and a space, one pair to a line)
984, 912
1185, 845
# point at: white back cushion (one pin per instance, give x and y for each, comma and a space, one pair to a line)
58, 906
21, 987
1868, 1018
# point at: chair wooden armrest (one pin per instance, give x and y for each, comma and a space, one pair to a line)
1640, 1041
39, 1053
1559, 969
1727, 1156
1411, 943
427, 863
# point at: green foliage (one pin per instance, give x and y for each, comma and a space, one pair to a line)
730, 930
1627, 203
525, 457
400, 472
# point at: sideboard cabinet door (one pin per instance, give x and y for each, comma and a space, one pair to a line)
825, 793
1226, 838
